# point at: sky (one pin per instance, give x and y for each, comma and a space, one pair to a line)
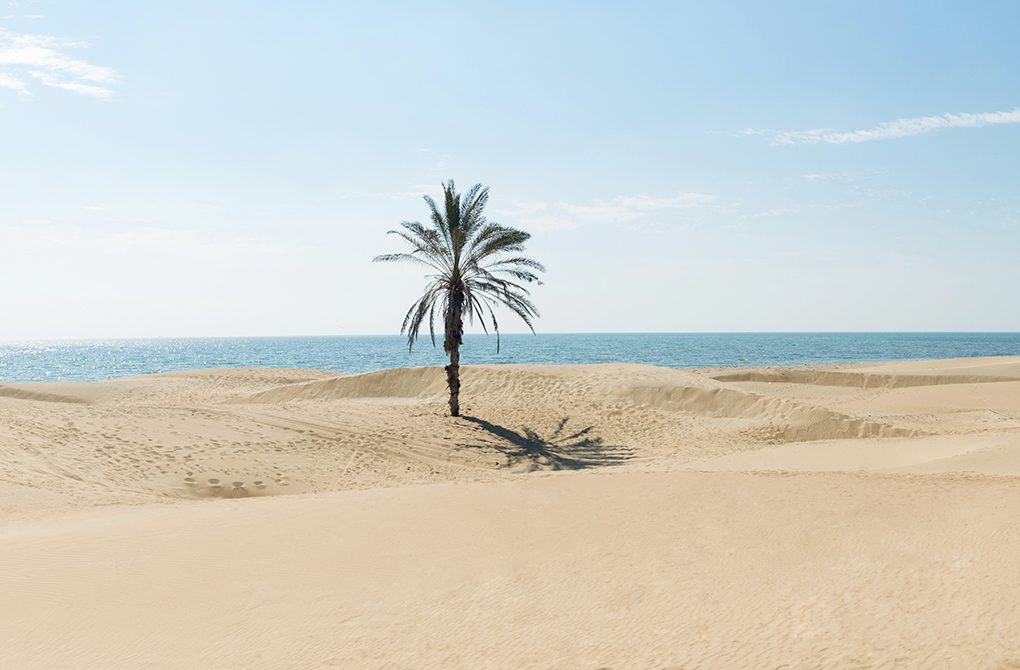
216, 169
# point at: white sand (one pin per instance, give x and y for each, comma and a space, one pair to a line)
613, 516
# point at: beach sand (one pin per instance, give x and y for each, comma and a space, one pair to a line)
599, 516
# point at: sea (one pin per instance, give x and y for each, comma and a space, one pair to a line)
106, 359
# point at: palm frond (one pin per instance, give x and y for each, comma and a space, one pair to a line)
409, 258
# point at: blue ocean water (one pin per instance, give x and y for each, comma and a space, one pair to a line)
92, 360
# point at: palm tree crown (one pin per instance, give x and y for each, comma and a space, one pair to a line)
477, 266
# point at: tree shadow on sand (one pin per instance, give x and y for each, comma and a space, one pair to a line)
563, 449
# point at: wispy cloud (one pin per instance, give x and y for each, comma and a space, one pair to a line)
13, 83
169, 245
185, 243
46, 60
413, 192
890, 130
827, 176
775, 211
621, 209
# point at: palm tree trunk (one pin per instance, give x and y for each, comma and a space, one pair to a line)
453, 380
452, 341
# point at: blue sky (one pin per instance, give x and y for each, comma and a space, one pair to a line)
229, 168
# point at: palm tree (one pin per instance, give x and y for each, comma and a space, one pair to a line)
477, 266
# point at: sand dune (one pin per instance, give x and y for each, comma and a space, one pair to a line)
19, 393
841, 516
857, 379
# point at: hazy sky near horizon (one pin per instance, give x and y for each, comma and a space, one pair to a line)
230, 168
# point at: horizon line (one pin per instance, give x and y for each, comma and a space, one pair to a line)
558, 333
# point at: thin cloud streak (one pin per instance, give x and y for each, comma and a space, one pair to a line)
890, 130
77, 87
621, 209
44, 59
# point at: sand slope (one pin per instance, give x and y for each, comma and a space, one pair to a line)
578, 517
644, 570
